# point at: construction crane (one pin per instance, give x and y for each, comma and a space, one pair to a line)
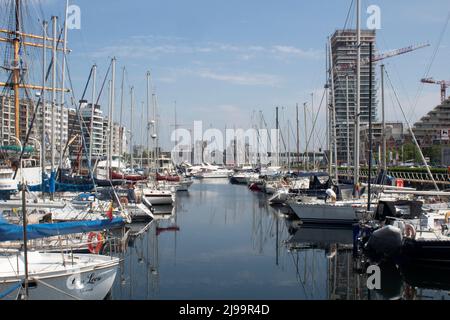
383, 56
444, 85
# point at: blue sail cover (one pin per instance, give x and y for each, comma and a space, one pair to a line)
61, 187
10, 232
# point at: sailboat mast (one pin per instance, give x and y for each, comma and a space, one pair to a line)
348, 120
154, 128
63, 83
111, 116
289, 145
298, 136
43, 104
148, 119
121, 117
370, 128
131, 129
176, 126
358, 93
278, 138
94, 102
142, 132
16, 68
333, 118
313, 132
306, 138
384, 144
52, 132
328, 105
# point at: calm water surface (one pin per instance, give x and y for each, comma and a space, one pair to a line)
222, 241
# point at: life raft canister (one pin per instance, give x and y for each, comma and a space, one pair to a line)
96, 245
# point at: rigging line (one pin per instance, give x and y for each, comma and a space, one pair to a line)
411, 131
104, 83
348, 14
35, 107
79, 116
315, 120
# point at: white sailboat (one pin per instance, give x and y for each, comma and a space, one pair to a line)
52, 276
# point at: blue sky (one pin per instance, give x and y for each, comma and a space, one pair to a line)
222, 60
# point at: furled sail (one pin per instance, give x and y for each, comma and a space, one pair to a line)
10, 232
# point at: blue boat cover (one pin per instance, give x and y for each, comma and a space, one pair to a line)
61, 187
11, 232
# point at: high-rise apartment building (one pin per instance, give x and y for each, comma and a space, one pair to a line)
344, 55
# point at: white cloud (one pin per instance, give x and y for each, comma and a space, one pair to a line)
154, 46
300, 53
243, 79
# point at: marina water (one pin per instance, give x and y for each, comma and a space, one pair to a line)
231, 244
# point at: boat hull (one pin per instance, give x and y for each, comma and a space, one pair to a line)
326, 214
86, 283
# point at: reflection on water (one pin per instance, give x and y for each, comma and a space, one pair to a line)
222, 241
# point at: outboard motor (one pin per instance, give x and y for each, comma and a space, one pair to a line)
385, 242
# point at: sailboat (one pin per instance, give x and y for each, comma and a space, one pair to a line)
339, 207
35, 275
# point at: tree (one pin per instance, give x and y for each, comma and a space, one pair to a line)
411, 152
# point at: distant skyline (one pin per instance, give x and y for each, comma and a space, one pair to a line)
223, 60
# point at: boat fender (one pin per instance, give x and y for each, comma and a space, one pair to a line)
95, 246
400, 225
332, 195
447, 217
410, 231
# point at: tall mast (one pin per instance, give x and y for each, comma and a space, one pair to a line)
111, 115
384, 144
370, 129
306, 138
52, 137
94, 102
131, 128
156, 130
108, 132
121, 116
289, 145
348, 120
278, 138
43, 104
63, 83
16, 68
358, 93
333, 117
148, 118
313, 132
176, 126
327, 109
298, 136
142, 132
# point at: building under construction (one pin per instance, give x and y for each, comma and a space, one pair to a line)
344, 55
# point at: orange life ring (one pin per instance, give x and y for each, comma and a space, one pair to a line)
99, 242
124, 200
410, 231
